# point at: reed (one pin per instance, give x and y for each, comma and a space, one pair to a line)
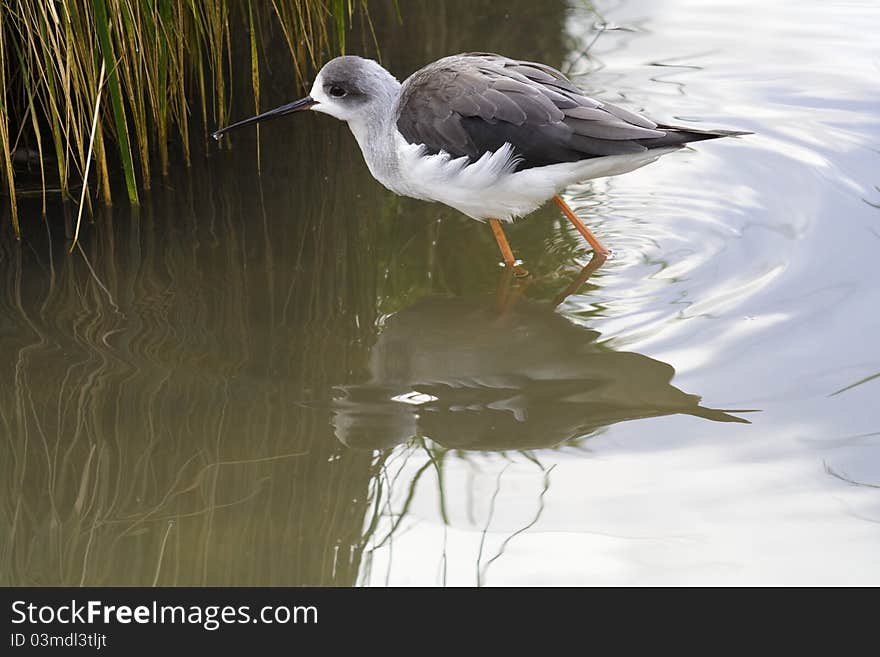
168, 62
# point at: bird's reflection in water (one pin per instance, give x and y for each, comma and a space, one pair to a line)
501, 373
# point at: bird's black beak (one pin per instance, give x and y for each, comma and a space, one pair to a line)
290, 108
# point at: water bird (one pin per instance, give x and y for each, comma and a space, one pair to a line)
491, 136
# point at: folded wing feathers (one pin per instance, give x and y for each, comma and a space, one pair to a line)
519, 95
629, 117
504, 107
585, 116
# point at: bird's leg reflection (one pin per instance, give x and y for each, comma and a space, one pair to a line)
508, 291
595, 262
503, 292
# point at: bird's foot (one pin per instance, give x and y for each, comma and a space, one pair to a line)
516, 267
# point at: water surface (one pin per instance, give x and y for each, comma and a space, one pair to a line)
299, 378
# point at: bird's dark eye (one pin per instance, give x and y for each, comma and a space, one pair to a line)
338, 92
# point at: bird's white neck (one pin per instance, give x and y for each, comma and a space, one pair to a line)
376, 135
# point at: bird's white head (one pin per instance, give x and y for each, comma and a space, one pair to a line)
350, 88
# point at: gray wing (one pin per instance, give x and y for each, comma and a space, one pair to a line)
469, 104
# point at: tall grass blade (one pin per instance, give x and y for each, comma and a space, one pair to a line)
255, 73
339, 11
102, 27
85, 186
164, 61
4, 138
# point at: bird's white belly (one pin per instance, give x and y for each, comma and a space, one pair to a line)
483, 189
490, 187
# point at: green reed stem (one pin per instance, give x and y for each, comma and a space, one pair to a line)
102, 26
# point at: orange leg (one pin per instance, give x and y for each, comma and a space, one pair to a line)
506, 252
598, 247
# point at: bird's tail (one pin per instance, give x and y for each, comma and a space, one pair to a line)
718, 415
678, 135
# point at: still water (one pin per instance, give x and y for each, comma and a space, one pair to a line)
299, 378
